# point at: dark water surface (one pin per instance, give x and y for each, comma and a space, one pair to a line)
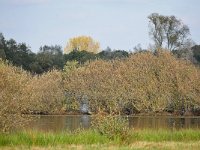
62, 123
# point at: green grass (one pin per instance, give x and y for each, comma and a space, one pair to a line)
35, 138
90, 137
166, 135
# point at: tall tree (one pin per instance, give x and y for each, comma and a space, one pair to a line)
19, 54
47, 58
167, 31
80, 56
196, 52
2, 47
82, 43
109, 54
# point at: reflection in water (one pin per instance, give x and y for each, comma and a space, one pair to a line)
85, 121
62, 123
167, 122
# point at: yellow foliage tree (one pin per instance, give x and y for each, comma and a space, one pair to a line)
81, 43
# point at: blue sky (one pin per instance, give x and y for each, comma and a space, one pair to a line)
119, 24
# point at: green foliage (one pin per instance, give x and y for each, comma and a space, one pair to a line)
2, 47
166, 135
34, 138
19, 54
116, 54
2, 54
196, 52
70, 66
48, 58
80, 56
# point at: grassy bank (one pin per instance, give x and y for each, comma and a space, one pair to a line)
89, 139
133, 146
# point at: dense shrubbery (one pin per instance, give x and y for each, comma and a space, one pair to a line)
21, 93
144, 82
45, 93
12, 84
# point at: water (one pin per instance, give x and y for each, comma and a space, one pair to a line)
62, 123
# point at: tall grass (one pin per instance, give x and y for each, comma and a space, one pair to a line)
34, 138
166, 135
88, 137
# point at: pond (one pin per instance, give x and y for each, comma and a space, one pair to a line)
72, 122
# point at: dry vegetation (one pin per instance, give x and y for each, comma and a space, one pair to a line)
134, 146
12, 83
45, 93
144, 82
22, 93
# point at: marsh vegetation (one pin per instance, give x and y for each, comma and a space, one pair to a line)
163, 80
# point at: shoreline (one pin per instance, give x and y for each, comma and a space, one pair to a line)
130, 115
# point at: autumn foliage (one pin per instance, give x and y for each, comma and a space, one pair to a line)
12, 84
144, 82
82, 43
22, 94
45, 93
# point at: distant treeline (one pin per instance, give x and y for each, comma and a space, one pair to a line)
52, 57
48, 57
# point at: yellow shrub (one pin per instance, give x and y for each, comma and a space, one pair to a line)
12, 83
45, 93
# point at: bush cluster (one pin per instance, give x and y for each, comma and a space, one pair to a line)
111, 126
45, 93
21, 93
143, 82
12, 84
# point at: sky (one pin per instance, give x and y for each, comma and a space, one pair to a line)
119, 24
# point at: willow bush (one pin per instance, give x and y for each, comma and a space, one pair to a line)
21, 94
45, 93
144, 82
12, 84
111, 126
